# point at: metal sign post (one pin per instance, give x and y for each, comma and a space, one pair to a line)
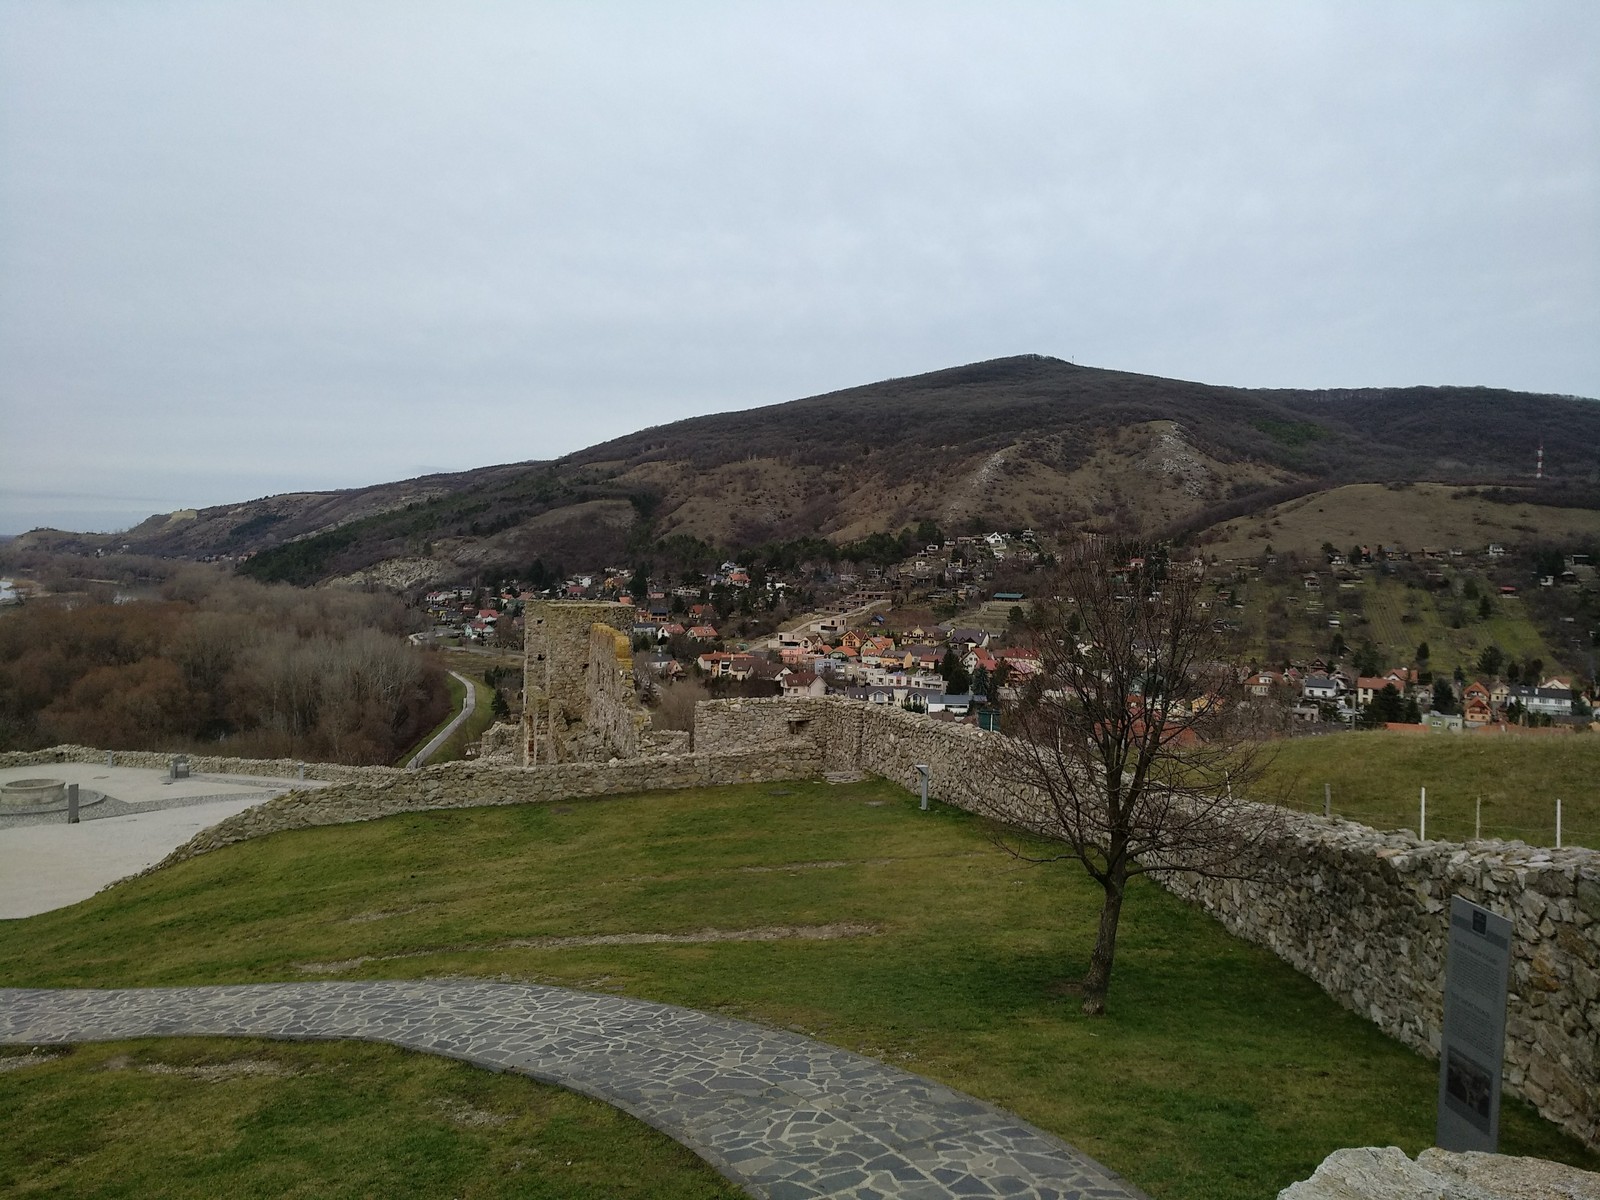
1472, 1049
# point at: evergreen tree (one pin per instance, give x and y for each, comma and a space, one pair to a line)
1387, 705
981, 684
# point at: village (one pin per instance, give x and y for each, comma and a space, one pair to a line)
944, 632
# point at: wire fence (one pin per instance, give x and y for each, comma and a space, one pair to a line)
1454, 817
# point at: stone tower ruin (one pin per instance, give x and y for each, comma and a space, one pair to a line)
577, 683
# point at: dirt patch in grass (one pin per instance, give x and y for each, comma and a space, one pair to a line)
800, 866
368, 917
458, 1112
15, 1062
771, 933
218, 1072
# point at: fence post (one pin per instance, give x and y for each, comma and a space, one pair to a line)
1327, 799
1558, 822
1422, 818
1477, 820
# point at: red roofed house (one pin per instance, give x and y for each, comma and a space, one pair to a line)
978, 657
1476, 708
721, 665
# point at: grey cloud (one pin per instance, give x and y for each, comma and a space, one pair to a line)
299, 242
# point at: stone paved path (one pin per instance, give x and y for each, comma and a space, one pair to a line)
784, 1117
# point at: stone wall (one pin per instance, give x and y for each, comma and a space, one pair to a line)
880, 739
1362, 913
474, 785
616, 720
556, 676
200, 764
1365, 914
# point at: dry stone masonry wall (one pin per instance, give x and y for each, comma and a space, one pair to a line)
369, 793
616, 720
562, 721
474, 785
202, 764
1362, 913
1366, 914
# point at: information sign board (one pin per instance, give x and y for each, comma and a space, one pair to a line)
1472, 1050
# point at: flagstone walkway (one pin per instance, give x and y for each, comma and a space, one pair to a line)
782, 1116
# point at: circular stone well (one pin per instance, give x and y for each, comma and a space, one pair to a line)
32, 793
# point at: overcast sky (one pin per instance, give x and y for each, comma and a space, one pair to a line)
255, 248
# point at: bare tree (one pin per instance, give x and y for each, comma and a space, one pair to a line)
675, 707
1126, 750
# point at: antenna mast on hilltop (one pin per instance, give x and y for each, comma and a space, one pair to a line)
1538, 470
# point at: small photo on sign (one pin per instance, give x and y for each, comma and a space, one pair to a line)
1468, 1083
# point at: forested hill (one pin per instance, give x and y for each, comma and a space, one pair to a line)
1023, 441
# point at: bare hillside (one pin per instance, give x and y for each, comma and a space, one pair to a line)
1017, 442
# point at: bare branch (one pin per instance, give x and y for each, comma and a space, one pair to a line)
1127, 750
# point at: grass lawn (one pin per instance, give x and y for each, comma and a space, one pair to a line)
458, 694
202, 1117
455, 746
1377, 777
1218, 1073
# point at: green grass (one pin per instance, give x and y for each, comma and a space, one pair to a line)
455, 746
201, 1118
1377, 777
1219, 1072
457, 695
1396, 619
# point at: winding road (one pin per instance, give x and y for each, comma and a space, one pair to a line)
468, 707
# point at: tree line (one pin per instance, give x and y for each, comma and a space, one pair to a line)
221, 665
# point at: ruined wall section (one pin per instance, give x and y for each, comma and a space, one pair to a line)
199, 764
616, 721
556, 679
473, 785
1364, 914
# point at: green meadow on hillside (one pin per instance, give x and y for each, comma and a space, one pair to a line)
1376, 777
1218, 1073
1284, 621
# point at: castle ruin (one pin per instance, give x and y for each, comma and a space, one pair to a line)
578, 697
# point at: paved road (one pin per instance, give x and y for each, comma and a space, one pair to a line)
784, 1117
468, 706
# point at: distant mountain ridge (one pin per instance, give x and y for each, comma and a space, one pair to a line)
1013, 442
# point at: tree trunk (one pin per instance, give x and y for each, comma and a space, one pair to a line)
1098, 980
